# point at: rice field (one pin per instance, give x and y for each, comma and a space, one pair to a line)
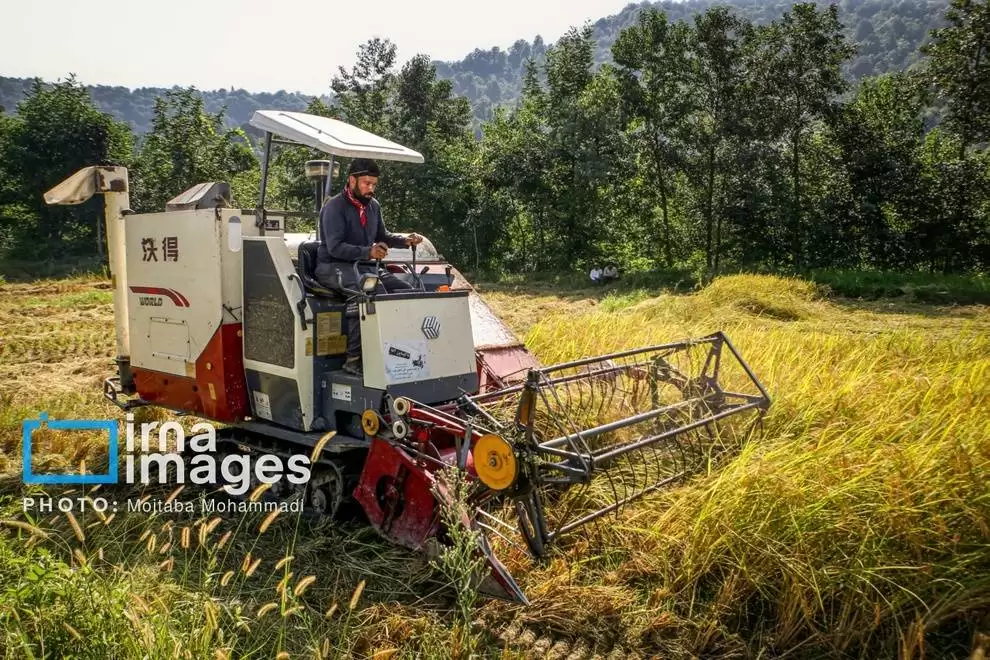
856, 525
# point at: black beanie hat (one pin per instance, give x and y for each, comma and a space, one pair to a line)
363, 166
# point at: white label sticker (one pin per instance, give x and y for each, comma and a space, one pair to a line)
262, 405
341, 392
406, 361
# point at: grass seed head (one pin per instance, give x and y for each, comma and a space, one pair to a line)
356, 596
303, 585
268, 521
76, 529
265, 609
26, 527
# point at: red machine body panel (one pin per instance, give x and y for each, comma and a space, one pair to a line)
217, 391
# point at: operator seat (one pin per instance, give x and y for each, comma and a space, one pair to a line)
306, 266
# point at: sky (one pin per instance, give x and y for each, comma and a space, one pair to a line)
259, 45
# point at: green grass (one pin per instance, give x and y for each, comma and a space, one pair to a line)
919, 287
870, 285
856, 526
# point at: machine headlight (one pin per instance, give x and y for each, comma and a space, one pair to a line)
369, 282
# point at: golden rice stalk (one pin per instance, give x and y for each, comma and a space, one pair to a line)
384, 654
225, 580
318, 449
265, 609
291, 611
165, 548
144, 536
80, 556
325, 649
246, 562
356, 596
303, 585
152, 543
268, 521
167, 565
109, 519
330, 612
221, 654
185, 538
27, 527
141, 603
283, 655
132, 617
283, 561
75, 527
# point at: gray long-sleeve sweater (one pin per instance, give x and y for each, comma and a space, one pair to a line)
342, 238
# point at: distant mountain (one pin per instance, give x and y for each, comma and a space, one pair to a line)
135, 106
886, 32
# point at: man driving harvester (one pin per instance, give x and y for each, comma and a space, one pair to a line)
352, 230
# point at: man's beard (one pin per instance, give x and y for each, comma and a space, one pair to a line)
364, 199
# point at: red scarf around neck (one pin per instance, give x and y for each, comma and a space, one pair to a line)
360, 207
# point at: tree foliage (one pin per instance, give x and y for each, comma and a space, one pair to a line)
55, 132
186, 146
714, 143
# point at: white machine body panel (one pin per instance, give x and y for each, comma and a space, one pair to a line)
409, 340
174, 288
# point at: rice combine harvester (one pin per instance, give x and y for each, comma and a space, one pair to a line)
218, 315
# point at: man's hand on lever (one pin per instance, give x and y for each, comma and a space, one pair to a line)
414, 239
378, 251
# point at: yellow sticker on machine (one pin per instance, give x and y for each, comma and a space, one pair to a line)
329, 340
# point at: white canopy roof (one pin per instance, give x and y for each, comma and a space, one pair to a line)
331, 135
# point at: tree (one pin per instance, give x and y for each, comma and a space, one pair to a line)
719, 114
798, 62
880, 134
362, 93
186, 146
959, 69
652, 65
57, 130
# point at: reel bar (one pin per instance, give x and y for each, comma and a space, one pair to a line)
675, 346
614, 507
624, 449
615, 426
749, 371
